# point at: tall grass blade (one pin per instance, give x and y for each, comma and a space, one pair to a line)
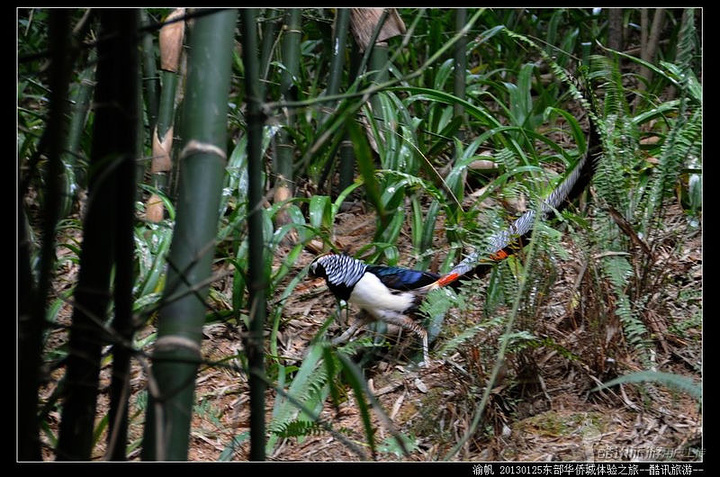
671, 380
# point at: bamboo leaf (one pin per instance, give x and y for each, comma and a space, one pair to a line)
318, 211
577, 132
520, 97
343, 195
367, 169
486, 117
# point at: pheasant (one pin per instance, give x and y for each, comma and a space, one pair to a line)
393, 294
388, 294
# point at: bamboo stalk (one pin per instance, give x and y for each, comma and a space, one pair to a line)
285, 153
112, 155
33, 297
337, 59
257, 279
75, 172
615, 29
171, 40
378, 63
347, 155
151, 79
177, 349
460, 59
125, 268
268, 42
651, 41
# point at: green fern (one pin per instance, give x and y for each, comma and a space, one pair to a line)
441, 300
687, 40
624, 184
618, 271
309, 387
298, 428
683, 145
681, 118
621, 136
621, 181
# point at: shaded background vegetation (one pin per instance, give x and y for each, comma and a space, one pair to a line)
177, 171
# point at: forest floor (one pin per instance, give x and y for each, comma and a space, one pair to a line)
541, 407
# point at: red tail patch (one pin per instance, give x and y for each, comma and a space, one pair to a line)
447, 279
499, 255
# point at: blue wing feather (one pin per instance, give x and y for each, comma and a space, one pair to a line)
404, 279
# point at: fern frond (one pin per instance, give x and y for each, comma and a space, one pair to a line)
468, 334
298, 428
308, 387
621, 136
618, 271
439, 301
687, 41
682, 146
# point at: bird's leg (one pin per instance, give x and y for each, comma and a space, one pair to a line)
408, 323
360, 320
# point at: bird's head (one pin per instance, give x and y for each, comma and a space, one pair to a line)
337, 268
317, 267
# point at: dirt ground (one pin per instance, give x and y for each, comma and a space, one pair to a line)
541, 407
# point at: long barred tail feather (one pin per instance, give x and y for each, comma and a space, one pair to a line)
343, 271
508, 241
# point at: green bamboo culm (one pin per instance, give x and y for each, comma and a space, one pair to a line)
268, 44
379, 64
74, 174
202, 163
347, 158
337, 60
171, 40
108, 222
151, 78
283, 164
257, 280
292, 35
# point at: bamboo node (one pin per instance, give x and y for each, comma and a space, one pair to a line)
174, 342
195, 147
